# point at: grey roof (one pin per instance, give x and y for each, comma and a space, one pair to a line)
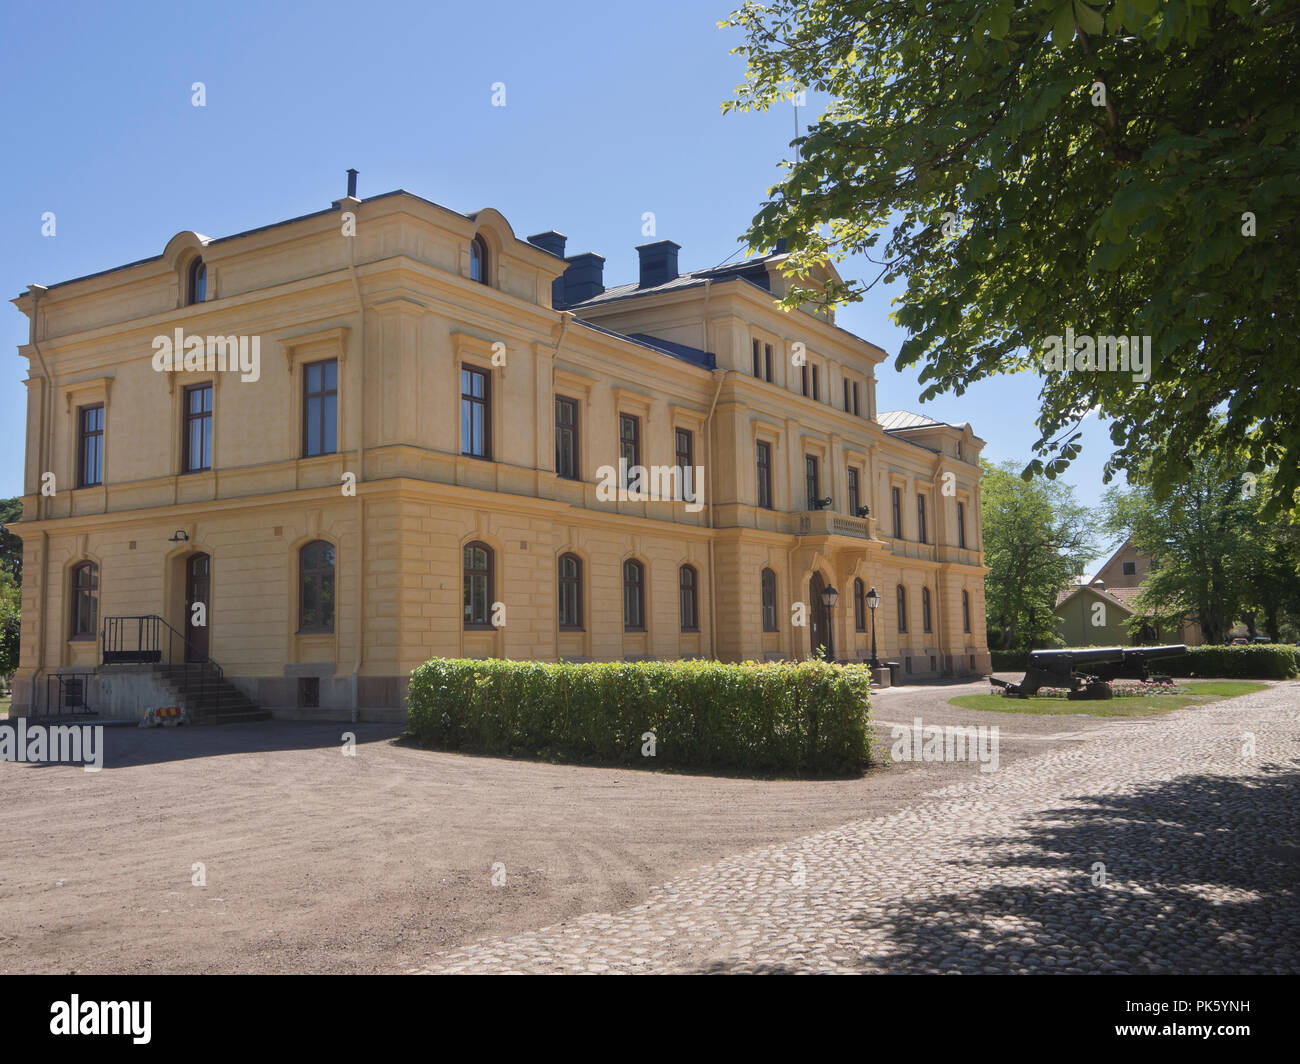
696, 357
893, 420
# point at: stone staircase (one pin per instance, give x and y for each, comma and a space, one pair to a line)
208, 697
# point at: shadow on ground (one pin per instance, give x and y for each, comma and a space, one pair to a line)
125, 746
1202, 877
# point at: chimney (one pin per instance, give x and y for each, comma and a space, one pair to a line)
658, 263
584, 279
352, 184
550, 241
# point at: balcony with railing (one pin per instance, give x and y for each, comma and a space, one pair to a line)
830, 523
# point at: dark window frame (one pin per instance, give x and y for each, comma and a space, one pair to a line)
901, 602
479, 245
767, 362
965, 611
88, 438
320, 397
685, 459
855, 492
196, 282
188, 418
758, 363
629, 446
812, 480
84, 617
470, 405
567, 438
763, 470
471, 575
927, 627
922, 529
896, 507
317, 580
767, 592
961, 525
634, 581
570, 591
308, 692
859, 605
688, 598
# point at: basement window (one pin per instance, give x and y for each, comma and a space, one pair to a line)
308, 692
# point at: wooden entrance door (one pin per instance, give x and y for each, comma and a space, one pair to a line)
198, 588
818, 633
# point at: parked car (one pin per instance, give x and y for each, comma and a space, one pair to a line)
1261, 639
1240, 641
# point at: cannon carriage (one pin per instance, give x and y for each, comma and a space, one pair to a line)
1085, 672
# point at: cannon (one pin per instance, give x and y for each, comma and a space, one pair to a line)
1062, 668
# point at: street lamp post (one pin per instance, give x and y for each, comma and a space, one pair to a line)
873, 600
829, 597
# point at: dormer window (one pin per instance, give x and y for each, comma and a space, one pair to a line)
478, 260
197, 290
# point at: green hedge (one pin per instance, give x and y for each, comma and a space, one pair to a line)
1009, 660
1255, 661
799, 717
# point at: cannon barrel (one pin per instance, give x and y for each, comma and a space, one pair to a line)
1075, 655
1151, 653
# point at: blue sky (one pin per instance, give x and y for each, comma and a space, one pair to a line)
612, 109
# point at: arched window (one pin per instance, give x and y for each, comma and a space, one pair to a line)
902, 608
197, 284
925, 609
478, 585
570, 592
965, 611
688, 581
316, 587
769, 601
85, 600
633, 596
478, 260
859, 606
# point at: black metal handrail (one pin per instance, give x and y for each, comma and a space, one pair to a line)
147, 639
72, 692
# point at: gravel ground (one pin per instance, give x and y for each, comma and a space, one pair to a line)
384, 862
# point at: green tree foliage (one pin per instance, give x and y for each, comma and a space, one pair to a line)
11, 547
1038, 164
10, 622
11, 578
1221, 552
1036, 538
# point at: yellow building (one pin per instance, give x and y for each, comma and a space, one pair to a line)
323, 451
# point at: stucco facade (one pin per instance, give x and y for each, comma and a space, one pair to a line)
400, 307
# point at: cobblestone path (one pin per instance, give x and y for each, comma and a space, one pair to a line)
1160, 845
